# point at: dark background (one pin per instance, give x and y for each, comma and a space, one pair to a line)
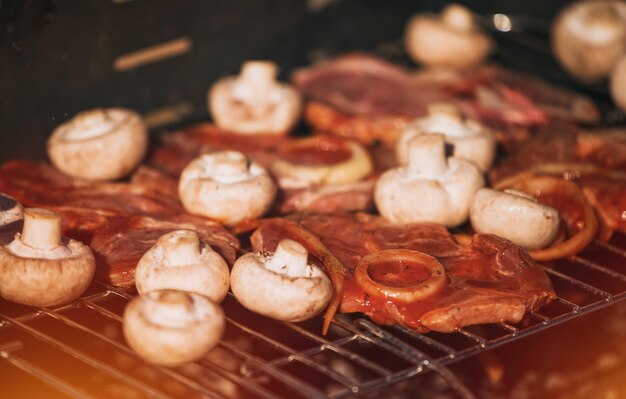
56, 57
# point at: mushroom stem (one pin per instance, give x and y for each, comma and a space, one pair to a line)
42, 228
258, 74
427, 156
449, 111
182, 248
290, 258
231, 164
457, 16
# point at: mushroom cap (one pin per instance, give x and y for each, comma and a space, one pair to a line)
294, 175
180, 261
589, 36
46, 282
470, 139
99, 144
514, 216
430, 188
41, 268
449, 40
170, 327
254, 102
227, 187
618, 83
278, 295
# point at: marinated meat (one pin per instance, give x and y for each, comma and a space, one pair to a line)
491, 280
562, 143
366, 98
177, 150
605, 147
119, 221
595, 160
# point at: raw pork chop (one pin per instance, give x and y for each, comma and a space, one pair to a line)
366, 98
119, 221
489, 281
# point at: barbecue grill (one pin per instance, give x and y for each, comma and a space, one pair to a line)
59, 57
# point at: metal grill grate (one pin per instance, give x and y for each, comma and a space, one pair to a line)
78, 349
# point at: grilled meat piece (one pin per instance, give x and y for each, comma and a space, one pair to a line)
489, 281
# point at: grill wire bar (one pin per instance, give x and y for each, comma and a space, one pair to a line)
254, 372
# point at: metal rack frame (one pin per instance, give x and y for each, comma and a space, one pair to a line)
421, 353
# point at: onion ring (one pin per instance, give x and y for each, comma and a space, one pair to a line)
420, 291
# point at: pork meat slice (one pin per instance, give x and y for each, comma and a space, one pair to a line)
489, 281
366, 98
119, 221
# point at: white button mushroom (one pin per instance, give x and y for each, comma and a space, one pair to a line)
172, 327
226, 186
41, 268
100, 144
300, 175
450, 40
254, 102
180, 261
470, 140
283, 285
515, 216
430, 188
589, 36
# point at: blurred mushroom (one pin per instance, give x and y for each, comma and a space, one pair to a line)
226, 186
470, 140
172, 327
515, 216
430, 188
589, 36
41, 268
99, 144
448, 40
282, 285
180, 261
254, 102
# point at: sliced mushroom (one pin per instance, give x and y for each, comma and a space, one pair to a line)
448, 40
180, 261
589, 36
100, 144
515, 216
254, 102
618, 83
353, 168
170, 327
470, 139
430, 188
226, 186
41, 268
282, 285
